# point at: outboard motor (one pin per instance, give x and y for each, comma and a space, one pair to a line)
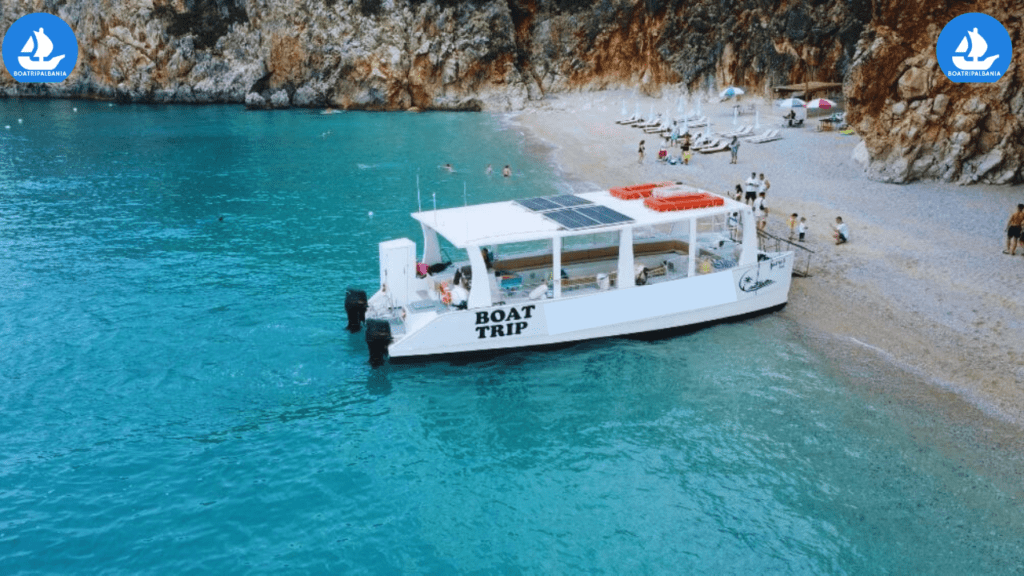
355, 308
378, 336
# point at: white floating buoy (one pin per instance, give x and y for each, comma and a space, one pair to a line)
370, 214
8, 127
20, 120
110, 104
74, 109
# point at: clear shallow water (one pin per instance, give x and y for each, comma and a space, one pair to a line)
178, 394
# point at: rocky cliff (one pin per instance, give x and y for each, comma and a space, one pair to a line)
914, 121
491, 54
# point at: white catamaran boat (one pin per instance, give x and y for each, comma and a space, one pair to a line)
557, 269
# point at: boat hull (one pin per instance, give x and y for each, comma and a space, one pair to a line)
666, 306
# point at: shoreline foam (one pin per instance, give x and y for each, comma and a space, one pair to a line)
923, 285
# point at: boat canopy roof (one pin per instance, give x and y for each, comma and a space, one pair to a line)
511, 221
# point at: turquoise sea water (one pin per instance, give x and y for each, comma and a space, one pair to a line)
178, 393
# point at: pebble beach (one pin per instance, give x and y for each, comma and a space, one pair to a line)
923, 287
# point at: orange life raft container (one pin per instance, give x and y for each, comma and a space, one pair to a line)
684, 202
637, 191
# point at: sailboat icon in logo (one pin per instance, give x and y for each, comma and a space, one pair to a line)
978, 48
39, 50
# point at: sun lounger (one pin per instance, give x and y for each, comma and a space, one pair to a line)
712, 144
628, 121
751, 138
741, 133
768, 137
720, 147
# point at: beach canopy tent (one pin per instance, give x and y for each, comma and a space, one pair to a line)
809, 89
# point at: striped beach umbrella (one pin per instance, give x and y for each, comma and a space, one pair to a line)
823, 103
792, 103
731, 91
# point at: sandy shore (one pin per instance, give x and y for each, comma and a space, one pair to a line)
923, 286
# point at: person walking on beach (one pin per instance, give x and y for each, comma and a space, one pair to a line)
734, 147
640, 160
752, 186
763, 184
760, 212
802, 228
792, 222
739, 193
1013, 231
842, 233
686, 148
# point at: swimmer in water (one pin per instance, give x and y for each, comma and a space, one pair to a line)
506, 171
449, 167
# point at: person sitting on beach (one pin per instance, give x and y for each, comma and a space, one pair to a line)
842, 231
1013, 230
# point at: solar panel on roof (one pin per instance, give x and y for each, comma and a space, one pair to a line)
604, 214
571, 219
545, 203
569, 200
538, 204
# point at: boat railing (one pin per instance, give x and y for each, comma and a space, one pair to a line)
768, 242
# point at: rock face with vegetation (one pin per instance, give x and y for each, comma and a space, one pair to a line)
498, 55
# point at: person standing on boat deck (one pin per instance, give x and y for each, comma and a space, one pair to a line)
760, 212
1013, 230
640, 151
842, 231
752, 186
763, 184
506, 171
734, 147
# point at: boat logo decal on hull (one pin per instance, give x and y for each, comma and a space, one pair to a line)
749, 282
